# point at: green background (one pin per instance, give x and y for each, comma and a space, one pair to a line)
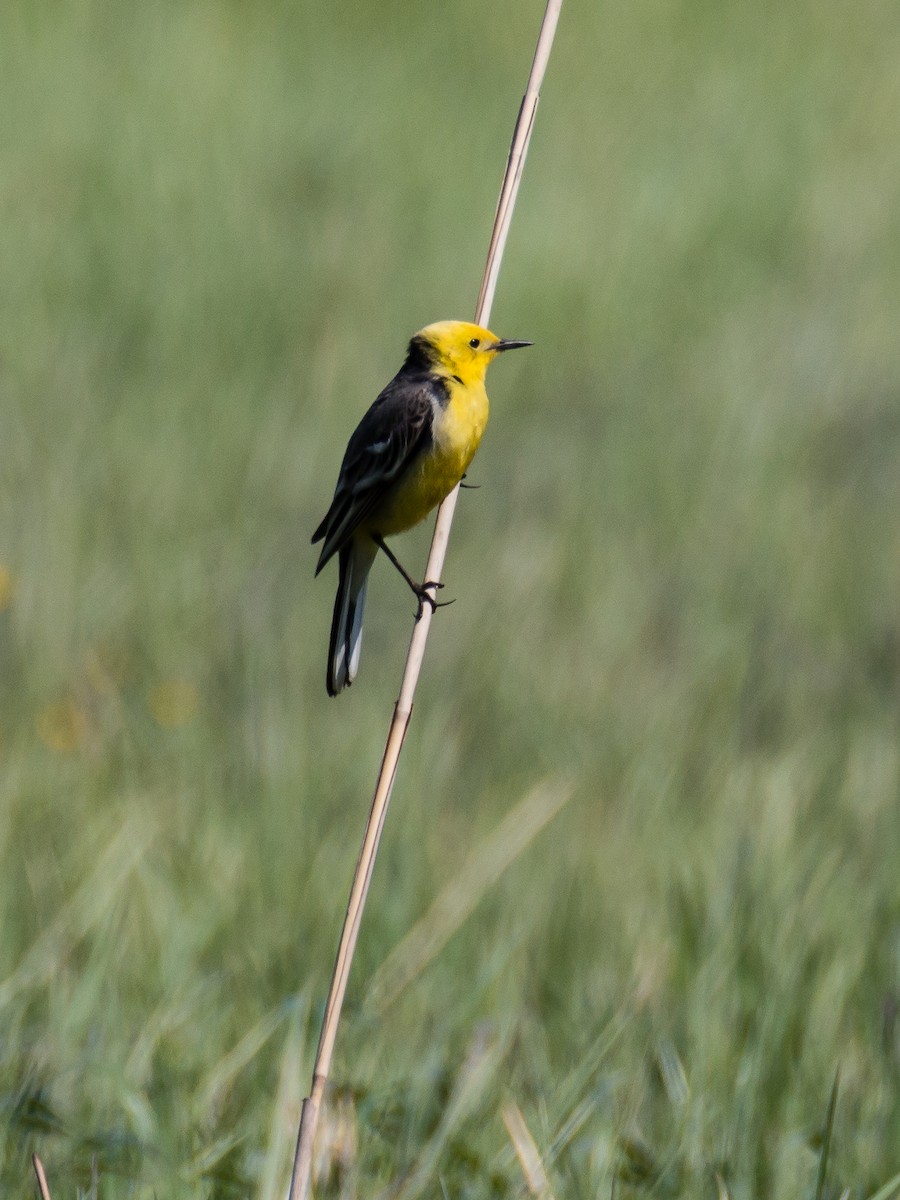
677, 594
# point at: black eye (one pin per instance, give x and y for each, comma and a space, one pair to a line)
474, 343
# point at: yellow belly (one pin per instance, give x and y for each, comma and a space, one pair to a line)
456, 435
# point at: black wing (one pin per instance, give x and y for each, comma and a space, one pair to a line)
395, 430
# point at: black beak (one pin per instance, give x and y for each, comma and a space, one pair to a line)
504, 344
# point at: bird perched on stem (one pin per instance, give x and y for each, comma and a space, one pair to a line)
408, 452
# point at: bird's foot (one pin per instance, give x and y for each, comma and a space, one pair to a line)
424, 597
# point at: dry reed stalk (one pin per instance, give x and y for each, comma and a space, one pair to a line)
301, 1176
43, 1186
526, 1151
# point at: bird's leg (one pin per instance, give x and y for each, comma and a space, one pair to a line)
419, 590
472, 487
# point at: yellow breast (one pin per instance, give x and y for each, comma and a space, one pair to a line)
456, 433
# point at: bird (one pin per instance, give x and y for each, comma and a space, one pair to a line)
409, 451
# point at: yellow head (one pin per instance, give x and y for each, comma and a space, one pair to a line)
457, 348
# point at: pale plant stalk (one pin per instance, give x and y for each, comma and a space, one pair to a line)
43, 1186
301, 1178
526, 1151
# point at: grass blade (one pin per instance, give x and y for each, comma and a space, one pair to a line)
889, 1191
826, 1138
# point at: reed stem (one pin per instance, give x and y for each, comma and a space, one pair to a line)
309, 1117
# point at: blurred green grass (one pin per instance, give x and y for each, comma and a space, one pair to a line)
678, 585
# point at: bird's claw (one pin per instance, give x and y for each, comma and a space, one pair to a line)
425, 597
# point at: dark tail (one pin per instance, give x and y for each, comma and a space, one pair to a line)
354, 561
